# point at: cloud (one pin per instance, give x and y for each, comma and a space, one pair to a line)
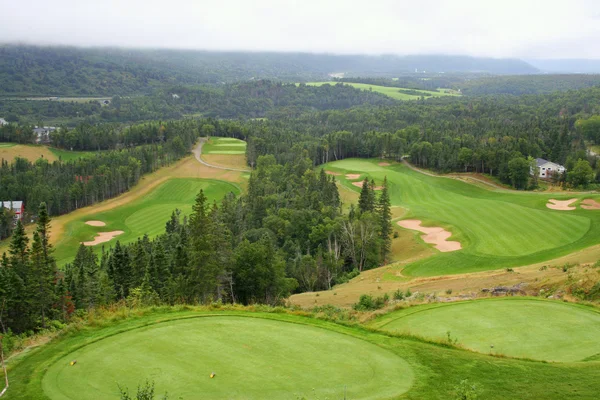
498, 28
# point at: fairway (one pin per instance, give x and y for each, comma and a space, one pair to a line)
537, 329
393, 92
252, 358
146, 215
8, 152
220, 145
496, 228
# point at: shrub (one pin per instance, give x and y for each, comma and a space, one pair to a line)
145, 392
398, 295
345, 277
466, 391
448, 291
370, 303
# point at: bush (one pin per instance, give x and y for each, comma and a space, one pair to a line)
345, 277
145, 392
370, 303
466, 391
398, 295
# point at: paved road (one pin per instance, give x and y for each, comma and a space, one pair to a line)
198, 153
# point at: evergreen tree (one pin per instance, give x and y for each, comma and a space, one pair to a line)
385, 215
364, 199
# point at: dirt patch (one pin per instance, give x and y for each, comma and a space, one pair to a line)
352, 176
384, 164
332, 173
590, 204
561, 205
226, 160
359, 184
103, 237
95, 223
434, 235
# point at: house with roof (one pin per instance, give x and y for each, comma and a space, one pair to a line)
546, 169
43, 133
15, 206
3, 122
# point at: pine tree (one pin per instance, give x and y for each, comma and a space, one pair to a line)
385, 215
363, 199
41, 285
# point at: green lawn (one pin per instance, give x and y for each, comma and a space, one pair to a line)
219, 145
527, 328
497, 228
147, 215
393, 92
67, 155
6, 145
274, 356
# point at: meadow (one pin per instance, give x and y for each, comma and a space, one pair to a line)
393, 92
9, 151
225, 152
145, 215
258, 353
497, 228
516, 327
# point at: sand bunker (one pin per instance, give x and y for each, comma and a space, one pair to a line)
352, 176
562, 205
359, 184
384, 164
434, 235
332, 173
95, 223
590, 204
103, 237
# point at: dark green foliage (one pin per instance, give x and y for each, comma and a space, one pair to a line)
369, 303
518, 172
528, 84
581, 174
144, 392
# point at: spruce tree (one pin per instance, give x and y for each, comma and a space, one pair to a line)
364, 198
385, 215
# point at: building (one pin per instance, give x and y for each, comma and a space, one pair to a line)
43, 133
3, 121
15, 206
547, 168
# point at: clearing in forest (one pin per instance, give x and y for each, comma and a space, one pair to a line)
516, 327
9, 151
497, 229
225, 152
393, 92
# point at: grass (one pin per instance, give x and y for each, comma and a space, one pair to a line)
228, 146
526, 328
393, 92
8, 151
497, 228
145, 215
274, 355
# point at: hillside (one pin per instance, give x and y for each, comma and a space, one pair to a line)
62, 71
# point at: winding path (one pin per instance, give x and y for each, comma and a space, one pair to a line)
198, 154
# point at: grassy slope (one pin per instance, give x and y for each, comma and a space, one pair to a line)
145, 215
392, 92
225, 152
436, 369
497, 229
517, 327
9, 151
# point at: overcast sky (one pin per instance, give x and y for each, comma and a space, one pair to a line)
497, 28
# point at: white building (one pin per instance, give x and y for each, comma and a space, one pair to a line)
3, 121
43, 133
15, 206
547, 168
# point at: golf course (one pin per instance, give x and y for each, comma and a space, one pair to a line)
393, 92
495, 228
271, 354
515, 327
225, 152
9, 151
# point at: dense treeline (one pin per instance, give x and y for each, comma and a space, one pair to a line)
254, 99
528, 84
70, 71
477, 134
417, 82
286, 234
66, 186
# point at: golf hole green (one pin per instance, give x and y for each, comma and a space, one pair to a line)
528, 328
252, 358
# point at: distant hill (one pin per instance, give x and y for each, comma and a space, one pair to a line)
567, 66
530, 84
70, 71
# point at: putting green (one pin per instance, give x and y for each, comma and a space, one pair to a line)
537, 329
253, 358
497, 229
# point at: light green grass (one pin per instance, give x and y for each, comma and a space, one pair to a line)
526, 328
219, 145
497, 228
67, 155
6, 145
147, 215
252, 359
274, 355
392, 92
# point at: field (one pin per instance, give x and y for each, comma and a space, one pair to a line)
225, 152
257, 355
496, 228
8, 151
516, 327
145, 215
393, 92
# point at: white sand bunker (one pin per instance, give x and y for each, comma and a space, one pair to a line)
103, 237
590, 204
359, 184
384, 164
352, 176
433, 235
562, 205
332, 173
95, 223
